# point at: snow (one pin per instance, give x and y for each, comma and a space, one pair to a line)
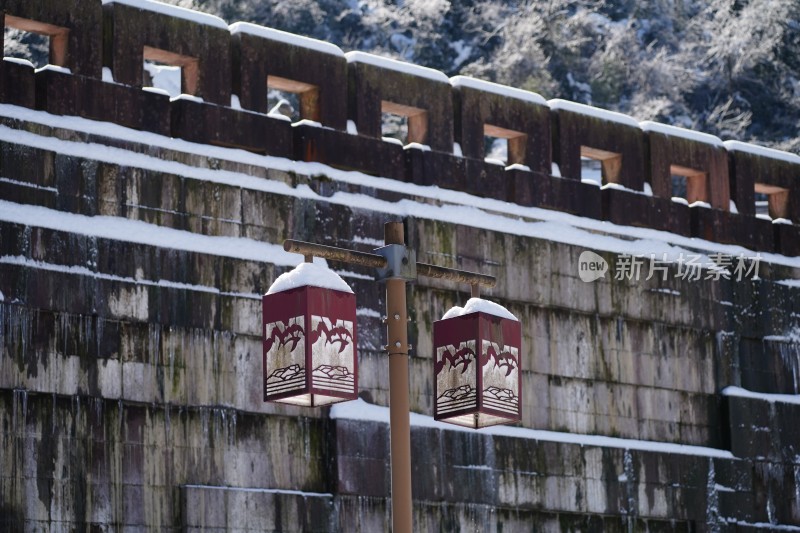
680, 200
417, 146
430, 202
371, 313
764, 525
518, 166
107, 75
700, 203
265, 491
620, 187
156, 90
279, 116
136, 231
732, 207
309, 122
361, 410
453, 312
771, 398
78, 270
184, 96
398, 66
18, 61
28, 184
675, 131
392, 140
173, 11
54, 68
790, 282
496, 88
611, 116
2, 298
309, 274
165, 77
457, 150
285, 37
738, 146
479, 305
493, 161
352, 129
782, 221
647, 189
235, 103
555, 170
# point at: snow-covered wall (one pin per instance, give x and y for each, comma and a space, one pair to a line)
136, 239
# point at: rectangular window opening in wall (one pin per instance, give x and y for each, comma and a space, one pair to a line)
503, 146
688, 183
293, 99
405, 123
34, 41
174, 73
771, 201
601, 166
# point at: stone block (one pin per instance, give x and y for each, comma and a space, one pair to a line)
750, 165
349, 152
613, 138
731, 228
205, 123
667, 215
377, 85
136, 108
315, 70
701, 158
75, 28
428, 167
487, 109
486, 180
787, 239
626, 207
200, 45
562, 194
17, 84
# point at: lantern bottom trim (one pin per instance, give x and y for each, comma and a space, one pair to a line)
312, 400
478, 420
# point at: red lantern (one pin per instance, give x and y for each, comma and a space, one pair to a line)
476, 364
310, 345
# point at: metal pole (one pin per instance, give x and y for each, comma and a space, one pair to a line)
399, 423
332, 252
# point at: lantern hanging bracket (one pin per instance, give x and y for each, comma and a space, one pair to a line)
401, 263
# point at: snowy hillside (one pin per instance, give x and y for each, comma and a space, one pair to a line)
726, 67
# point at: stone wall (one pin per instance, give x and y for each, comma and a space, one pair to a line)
131, 269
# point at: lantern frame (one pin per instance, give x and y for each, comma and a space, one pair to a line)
486, 338
308, 316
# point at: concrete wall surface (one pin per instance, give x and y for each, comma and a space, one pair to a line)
133, 260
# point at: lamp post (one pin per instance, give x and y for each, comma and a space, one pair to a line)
396, 265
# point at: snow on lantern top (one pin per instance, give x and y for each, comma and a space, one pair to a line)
479, 305
309, 274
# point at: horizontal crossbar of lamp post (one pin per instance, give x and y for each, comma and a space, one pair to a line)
377, 261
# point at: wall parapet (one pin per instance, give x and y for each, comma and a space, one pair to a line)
227, 70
